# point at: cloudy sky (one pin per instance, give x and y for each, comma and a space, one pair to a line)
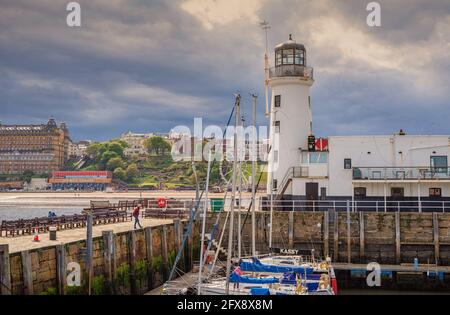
150, 65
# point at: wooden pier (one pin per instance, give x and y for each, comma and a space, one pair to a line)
188, 280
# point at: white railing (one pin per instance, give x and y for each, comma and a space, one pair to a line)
263, 204
401, 173
358, 205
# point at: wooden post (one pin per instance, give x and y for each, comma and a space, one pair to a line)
110, 260
262, 230
89, 253
26, 273
132, 251
165, 260
189, 250
149, 251
178, 233
436, 238
259, 231
362, 243
60, 268
326, 233
398, 257
5, 271
336, 236
291, 229
349, 235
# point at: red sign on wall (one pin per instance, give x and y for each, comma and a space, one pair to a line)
162, 202
322, 144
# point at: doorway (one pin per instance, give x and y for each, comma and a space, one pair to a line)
312, 191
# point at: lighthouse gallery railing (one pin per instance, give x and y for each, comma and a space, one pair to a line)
292, 71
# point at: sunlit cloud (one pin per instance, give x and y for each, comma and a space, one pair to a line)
222, 12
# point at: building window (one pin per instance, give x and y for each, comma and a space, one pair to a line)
397, 192
279, 58
376, 175
348, 164
288, 56
317, 157
435, 192
275, 156
314, 157
439, 164
277, 101
360, 191
299, 57
277, 126
275, 184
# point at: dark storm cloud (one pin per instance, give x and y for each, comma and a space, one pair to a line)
153, 65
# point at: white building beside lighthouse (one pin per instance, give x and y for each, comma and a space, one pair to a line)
396, 169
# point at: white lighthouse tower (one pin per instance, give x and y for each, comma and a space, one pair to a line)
290, 114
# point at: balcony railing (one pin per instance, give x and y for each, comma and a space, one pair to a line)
292, 71
401, 173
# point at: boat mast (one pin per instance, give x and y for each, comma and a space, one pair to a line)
202, 251
241, 147
239, 212
233, 197
254, 157
271, 217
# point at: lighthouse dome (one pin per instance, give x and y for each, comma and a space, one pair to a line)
290, 53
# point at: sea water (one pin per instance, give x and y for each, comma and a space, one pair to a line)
15, 212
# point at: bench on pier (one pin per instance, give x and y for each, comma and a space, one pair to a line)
174, 209
128, 204
103, 212
65, 222
165, 214
29, 226
107, 215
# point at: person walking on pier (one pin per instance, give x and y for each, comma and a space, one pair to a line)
237, 270
136, 214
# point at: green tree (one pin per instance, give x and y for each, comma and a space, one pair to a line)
132, 171
27, 176
158, 146
121, 142
106, 156
96, 150
116, 147
115, 163
120, 173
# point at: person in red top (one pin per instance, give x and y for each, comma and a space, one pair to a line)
238, 272
136, 213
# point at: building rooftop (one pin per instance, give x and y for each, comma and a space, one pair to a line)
32, 128
290, 44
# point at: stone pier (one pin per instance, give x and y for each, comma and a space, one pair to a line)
125, 261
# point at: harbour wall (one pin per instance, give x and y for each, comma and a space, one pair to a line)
363, 237
131, 262
135, 262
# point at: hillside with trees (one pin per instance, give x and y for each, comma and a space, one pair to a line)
155, 170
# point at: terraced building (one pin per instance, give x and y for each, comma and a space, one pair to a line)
38, 148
